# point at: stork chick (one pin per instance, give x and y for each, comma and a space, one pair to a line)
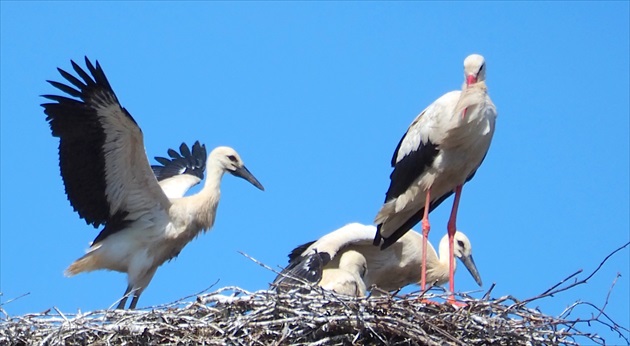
335, 261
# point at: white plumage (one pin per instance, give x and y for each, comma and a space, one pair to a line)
442, 149
109, 182
345, 274
346, 262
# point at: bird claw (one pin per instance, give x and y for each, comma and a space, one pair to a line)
451, 300
427, 301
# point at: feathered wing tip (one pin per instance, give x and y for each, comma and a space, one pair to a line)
296, 253
185, 162
91, 89
308, 268
73, 118
405, 226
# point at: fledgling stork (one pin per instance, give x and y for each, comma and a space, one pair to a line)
109, 182
345, 261
442, 149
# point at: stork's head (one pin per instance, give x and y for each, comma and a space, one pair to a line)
462, 249
354, 262
474, 69
229, 160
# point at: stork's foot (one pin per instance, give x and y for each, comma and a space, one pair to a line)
451, 300
427, 301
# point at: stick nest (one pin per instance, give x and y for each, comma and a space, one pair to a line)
303, 317
307, 315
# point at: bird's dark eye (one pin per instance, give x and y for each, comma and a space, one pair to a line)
461, 244
232, 158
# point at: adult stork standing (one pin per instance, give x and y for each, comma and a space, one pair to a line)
441, 151
345, 261
109, 182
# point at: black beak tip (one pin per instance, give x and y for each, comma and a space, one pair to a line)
244, 173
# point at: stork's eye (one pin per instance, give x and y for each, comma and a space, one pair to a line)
461, 244
232, 158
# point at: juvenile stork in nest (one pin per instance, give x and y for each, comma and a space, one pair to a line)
109, 181
441, 151
346, 262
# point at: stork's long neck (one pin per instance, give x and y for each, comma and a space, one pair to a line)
472, 95
207, 199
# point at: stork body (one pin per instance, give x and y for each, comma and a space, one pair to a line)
109, 182
345, 274
442, 149
327, 260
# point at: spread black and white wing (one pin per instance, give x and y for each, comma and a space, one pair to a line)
106, 172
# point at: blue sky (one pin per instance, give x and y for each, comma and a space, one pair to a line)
315, 97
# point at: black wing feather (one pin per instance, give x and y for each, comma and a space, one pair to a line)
414, 219
407, 170
173, 154
298, 251
184, 150
81, 140
68, 90
193, 163
308, 268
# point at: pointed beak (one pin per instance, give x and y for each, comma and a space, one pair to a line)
472, 268
244, 173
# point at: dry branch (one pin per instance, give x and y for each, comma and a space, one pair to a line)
317, 317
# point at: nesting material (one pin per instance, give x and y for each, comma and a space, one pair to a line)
307, 315
318, 317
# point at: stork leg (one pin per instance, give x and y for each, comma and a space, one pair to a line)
123, 300
452, 228
134, 301
426, 227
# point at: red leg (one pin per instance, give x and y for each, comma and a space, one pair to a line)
426, 227
452, 228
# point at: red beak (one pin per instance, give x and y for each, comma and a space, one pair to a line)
470, 79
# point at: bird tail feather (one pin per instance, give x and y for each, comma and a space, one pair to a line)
86, 263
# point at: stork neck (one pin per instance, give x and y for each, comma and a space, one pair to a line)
207, 199
215, 173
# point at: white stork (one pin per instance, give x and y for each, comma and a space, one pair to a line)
109, 182
442, 149
346, 261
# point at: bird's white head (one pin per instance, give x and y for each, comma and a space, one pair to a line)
230, 161
474, 69
462, 249
353, 261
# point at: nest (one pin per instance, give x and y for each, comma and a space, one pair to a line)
307, 315
316, 317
